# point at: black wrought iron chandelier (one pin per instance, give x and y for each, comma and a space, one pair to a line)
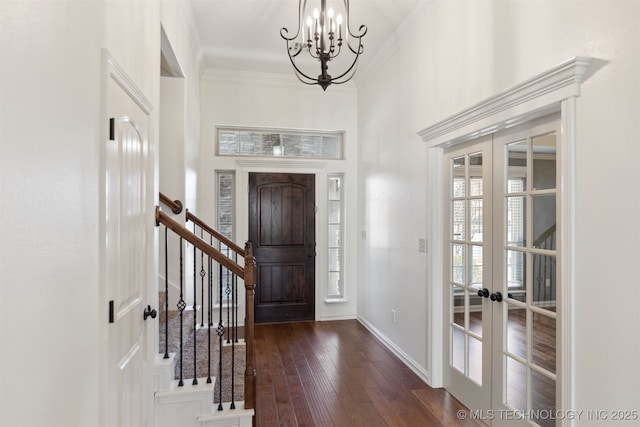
320, 34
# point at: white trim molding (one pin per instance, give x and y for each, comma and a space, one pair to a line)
555, 90
530, 99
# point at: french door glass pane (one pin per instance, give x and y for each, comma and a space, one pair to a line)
517, 167
516, 214
457, 350
458, 306
458, 188
544, 161
516, 392
458, 220
543, 399
544, 221
475, 175
476, 266
516, 331
543, 347
475, 359
544, 281
475, 220
515, 270
458, 263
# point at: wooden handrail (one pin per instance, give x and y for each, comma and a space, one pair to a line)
200, 223
175, 205
176, 227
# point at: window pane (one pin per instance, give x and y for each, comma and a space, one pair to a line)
228, 143
334, 259
334, 285
334, 236
270, 143
334, 211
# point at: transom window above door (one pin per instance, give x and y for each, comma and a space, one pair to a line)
254, 142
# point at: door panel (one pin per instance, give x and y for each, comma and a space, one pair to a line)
501, 210
525, 339
127, 250
468, 177
282, 230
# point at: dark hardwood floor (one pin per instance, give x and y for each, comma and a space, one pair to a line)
337, 374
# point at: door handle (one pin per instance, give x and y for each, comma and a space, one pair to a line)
497, 296
484, 292
148, 312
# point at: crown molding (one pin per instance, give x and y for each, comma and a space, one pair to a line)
525, 101
268, 79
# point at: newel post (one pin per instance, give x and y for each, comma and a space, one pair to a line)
249, 286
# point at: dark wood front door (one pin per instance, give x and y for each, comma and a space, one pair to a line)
282, 229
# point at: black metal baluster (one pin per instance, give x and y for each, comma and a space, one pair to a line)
220, 339
202, 274
227, 292
195, 315
209, 323
166, 294
235, 299
181, 307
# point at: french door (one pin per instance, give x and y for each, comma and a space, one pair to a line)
501, 274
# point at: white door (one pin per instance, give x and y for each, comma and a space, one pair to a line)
502, 275
468, 252
128, 227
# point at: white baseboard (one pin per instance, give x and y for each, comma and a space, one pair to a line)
404, 357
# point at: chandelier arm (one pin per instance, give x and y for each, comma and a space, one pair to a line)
360, 48
299, 73
351, 67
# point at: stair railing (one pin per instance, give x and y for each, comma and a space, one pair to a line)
227, 261
544, 267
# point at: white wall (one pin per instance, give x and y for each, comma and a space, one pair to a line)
259, 100
463, 52
52, 314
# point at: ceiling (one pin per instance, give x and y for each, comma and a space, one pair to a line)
244, 35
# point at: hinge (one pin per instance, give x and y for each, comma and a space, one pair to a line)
315, 209
112, 129
111, 317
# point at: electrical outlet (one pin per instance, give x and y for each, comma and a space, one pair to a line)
393, 316
422, 245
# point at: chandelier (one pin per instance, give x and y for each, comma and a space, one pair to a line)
321, 35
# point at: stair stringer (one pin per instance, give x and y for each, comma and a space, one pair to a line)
191, 405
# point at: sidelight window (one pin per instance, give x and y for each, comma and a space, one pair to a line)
335, 203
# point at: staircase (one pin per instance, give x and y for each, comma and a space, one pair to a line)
200, 344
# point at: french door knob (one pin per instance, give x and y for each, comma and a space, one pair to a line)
148, 312
484, 292
497, 296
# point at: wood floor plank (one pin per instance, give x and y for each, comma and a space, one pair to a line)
337, 374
